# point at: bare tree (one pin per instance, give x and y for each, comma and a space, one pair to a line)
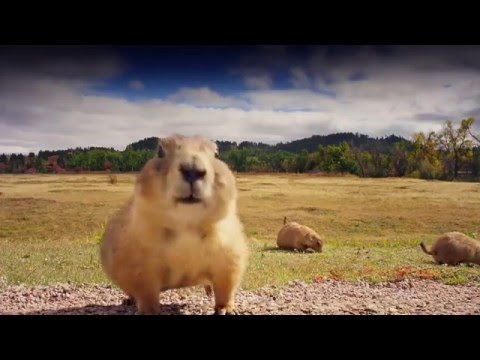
475, 137
455, 142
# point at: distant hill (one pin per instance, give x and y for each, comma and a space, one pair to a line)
311, 144
363, 156
358, 140
296, 146
150, 143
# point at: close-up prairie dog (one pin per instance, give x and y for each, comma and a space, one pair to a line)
294, 236
180, 228
453, 248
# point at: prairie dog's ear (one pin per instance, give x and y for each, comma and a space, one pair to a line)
215, 149
212, 146
160, 151
167, 145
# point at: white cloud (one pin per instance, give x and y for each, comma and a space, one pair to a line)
204, 96
106, 121
136, 85
261, 82
60, 116
288, 100
299, 78
52, 109
254, 77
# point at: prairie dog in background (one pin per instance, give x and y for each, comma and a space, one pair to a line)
453, 248
300, 237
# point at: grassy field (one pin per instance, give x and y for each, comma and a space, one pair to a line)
50, 226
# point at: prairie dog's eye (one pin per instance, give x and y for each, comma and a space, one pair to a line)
160, 152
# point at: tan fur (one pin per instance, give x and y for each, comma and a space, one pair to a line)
300, 237
156, 243
453, 248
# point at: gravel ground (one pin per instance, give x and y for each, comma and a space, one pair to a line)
328, 297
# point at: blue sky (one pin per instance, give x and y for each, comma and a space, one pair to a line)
60, 97
163, 69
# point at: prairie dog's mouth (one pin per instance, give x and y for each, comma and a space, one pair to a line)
189, 200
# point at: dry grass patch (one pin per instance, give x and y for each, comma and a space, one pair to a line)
50, 226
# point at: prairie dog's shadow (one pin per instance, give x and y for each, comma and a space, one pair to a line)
459, 265
273, 248
277, 249
165, 309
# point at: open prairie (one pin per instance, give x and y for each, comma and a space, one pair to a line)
51, 225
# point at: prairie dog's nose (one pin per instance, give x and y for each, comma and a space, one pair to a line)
191, 173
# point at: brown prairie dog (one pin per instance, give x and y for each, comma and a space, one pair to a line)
179, 229
453, 248
294, 236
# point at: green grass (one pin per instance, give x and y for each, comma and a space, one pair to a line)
48, 263
50, 226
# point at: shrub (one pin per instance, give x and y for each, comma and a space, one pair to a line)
112, 178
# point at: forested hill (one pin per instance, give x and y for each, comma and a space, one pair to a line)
296, 146
150, 143
358, 140
450, 153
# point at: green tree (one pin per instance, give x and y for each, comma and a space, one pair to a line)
16, 163
78, 160
276, 160
399, 159
338, 158
301, 161
313, 161
289, 164
254, 164
424, 159
3, 159
363, 159
237, 158
134, 160
115, 159
40, 164
96, 159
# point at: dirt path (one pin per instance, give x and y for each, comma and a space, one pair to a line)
329, 297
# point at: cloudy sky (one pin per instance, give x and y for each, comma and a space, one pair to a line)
63, 97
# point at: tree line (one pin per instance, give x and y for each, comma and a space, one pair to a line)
451, 153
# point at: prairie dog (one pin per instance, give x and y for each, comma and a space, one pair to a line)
453, 248
180, 228
295, 236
